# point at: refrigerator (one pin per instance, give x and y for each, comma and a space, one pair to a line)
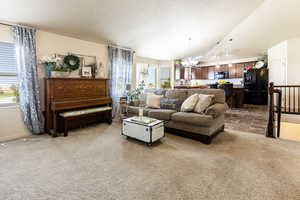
256, 86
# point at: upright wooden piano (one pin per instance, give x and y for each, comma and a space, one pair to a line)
71, 94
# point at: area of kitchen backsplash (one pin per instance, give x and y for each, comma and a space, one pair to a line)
235, 81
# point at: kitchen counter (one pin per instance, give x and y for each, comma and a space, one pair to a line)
238, 86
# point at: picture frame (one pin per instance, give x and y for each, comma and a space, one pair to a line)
87, 71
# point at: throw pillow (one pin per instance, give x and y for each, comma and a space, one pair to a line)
153, 100
204, 102
189, 104
171, 104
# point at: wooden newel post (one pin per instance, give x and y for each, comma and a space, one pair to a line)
271, 127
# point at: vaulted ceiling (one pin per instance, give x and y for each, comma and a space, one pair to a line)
271, 23
154, 28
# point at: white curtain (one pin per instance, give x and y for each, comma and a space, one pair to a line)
120, 66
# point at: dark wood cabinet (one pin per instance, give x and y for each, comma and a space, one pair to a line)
193, 71
232, 71
224, 68
182, 72
208, 72
239, 70
249, 65
200, 73
238, 98
204, 72
197, 73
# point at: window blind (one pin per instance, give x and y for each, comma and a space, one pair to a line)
8, 64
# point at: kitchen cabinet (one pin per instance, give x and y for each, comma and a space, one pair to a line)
194, 71
182, 73
224, 68
208, 73
239, 70
249, 65
179, 72
232, 71
238, 98
221, 68
211, 72
204, 73
198, 73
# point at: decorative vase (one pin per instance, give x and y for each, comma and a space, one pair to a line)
59, 74
48, 69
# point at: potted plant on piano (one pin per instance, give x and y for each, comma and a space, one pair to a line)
60, 70
49, 63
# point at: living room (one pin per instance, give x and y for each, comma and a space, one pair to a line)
149, 99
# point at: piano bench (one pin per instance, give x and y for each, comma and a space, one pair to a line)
84, 116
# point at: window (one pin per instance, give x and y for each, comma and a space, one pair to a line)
152, 79
8, 75
165, 77
148, 74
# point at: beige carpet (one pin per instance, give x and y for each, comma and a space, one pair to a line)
97, 163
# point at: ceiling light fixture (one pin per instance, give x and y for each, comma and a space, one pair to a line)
190, 61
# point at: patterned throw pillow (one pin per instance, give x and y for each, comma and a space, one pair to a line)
190, 103
204, 102
170, 104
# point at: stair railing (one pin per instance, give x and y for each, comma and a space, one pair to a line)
286, 101
271, 130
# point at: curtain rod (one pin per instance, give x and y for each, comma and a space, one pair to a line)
120, 47
12, 24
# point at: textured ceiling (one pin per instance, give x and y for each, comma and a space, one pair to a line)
154, 28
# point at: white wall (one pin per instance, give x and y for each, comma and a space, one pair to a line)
277, 61
284, 62
5, 34
293, 64
50, 44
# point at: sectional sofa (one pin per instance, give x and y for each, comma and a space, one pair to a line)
203, 127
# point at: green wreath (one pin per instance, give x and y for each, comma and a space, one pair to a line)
72, 62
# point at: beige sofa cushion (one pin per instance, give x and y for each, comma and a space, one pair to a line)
218, 93
176, 94
161, 114
134, 110
204, 102
153, 100
193, 118
216, 109
189, 104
